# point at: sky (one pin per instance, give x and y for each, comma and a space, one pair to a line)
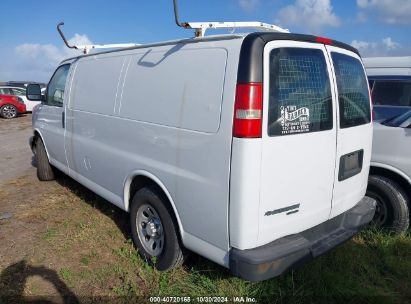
30, 47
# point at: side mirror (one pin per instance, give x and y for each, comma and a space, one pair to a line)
33, 92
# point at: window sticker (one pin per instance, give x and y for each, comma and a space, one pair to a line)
295, 120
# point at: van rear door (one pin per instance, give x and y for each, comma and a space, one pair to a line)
298, 141
354, 129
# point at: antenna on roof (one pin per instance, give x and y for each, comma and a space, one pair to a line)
87, 47
201, 27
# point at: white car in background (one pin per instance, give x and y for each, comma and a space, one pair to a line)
390, 172
20, 92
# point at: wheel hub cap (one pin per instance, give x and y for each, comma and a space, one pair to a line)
153, 228
381, 213
9, 111
150, 230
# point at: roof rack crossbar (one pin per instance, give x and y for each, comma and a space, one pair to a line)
87, 47
201, 27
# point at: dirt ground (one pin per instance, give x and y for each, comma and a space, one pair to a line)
51, 232
14, 147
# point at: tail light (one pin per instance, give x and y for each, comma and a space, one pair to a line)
248, 110
20, 100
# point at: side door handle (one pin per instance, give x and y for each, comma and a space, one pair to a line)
63, 119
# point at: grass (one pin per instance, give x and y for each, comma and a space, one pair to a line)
86, 242
67, 274
49, 234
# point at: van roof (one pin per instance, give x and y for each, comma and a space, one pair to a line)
386, 67
387, 62
169, 42
255, 41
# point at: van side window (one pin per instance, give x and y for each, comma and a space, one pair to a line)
300, 92
56, 86
392, 93
353, 96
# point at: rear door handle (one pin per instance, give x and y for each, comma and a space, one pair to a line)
63, 120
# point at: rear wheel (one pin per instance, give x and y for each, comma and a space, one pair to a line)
8, 111
44, 169
392, 210
154, 229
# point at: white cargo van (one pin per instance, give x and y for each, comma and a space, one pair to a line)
252, 150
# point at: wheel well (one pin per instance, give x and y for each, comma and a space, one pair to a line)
36, 135
401, 181
141, 181
138, 183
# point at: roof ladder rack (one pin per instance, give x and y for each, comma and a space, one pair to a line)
201, 27
86, 48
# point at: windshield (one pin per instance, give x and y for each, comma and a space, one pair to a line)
398, 120
392, 93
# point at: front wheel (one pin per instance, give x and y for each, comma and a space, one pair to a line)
8, 111
392, 210
44, 169
154, 229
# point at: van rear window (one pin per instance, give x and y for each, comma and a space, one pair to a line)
352, 85
300, 93
392, 93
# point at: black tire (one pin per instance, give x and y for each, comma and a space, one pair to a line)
172, 254
8, 111
392, 210
44, 169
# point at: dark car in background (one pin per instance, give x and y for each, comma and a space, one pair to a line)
22, 84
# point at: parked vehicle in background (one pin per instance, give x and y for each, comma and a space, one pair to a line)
229, 145
20, 92
11, 106
390, 84
22, 84
390, 173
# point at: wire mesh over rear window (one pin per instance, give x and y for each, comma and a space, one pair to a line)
352, 85
300, 94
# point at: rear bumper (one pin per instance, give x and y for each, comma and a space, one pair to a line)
273, 259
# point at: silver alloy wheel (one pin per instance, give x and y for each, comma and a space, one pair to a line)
9, 111
150, 230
